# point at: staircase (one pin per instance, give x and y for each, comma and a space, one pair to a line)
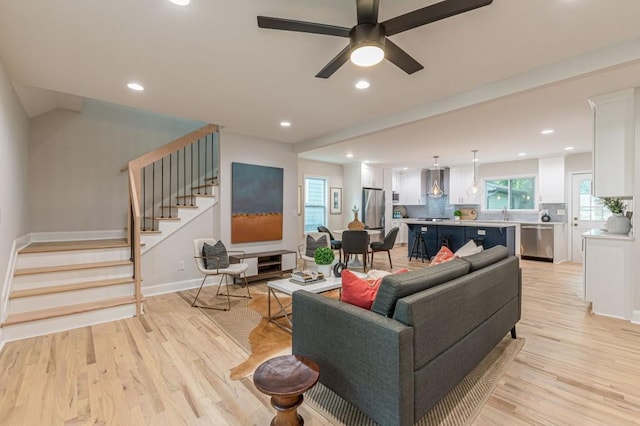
60, 285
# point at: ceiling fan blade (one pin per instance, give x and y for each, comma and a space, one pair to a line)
367, 11
400, 58
431, 13
335, 63
302, 26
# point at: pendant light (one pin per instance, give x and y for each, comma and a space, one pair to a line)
475, 189
435, 191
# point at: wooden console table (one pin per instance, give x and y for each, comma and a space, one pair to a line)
267, 264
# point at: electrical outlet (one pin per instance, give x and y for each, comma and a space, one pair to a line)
561, 212
180, 265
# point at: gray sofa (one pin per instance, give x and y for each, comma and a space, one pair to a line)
427, 329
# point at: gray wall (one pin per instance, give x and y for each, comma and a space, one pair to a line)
14, 144
75, 182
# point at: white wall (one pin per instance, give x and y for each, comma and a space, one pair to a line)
251, 150
14, 144
578, 162
333, 174
508, 168
75, 182
160, 272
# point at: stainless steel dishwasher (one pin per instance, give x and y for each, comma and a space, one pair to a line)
536, 242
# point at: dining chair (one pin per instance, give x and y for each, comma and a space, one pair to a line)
355, 242
335, 244
385, 245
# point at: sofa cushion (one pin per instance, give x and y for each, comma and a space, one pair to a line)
468, 249
361, 291
394, 287
486, 257
444, 255
215, 256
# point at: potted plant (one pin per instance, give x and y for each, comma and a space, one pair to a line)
457, 215
324, 257
618, 223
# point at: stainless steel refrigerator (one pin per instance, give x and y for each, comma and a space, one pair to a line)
373, 208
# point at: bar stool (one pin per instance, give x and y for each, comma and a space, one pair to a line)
416, 249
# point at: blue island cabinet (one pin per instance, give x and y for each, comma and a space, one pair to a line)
453, 237
493, 236
430, 236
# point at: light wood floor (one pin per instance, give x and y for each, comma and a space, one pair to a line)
171, 367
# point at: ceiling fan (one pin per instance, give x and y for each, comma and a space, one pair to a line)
368, 38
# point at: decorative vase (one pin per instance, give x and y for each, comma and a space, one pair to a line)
325, 269
618, 223
355, 225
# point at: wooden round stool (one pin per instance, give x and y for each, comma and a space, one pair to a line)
285, 378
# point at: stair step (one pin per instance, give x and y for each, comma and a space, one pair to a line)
51, 246
149, 232
205, 186
177, 206
78, 266
66, 310
166, 218
213, 179
16, 294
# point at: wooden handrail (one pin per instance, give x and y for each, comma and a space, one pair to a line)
135, 188
155, 155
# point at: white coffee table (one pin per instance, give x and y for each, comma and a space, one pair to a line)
287, 287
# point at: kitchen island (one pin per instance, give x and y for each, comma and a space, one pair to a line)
455, 233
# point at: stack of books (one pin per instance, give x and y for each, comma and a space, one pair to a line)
304, 277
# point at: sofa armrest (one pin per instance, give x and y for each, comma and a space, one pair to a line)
364, 357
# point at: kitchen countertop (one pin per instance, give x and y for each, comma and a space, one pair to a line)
480, 222
606, 235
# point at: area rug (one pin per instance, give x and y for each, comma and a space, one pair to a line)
260, 339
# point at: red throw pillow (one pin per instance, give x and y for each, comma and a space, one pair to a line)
360, 291
444, 255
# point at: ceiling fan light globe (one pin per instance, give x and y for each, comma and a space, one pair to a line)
367, 56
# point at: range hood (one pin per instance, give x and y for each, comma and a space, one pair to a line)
427, 176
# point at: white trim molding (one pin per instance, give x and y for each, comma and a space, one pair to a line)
77, 235
635, 316
172, 287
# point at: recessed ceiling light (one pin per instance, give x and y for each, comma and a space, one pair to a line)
180, 2
136, 86
569, 148
522, 154
349, 155
285, 123
365, 161
405, 168
547, 131
362, 84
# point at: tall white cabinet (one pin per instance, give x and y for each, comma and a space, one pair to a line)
613, 143
460, 179
551, 180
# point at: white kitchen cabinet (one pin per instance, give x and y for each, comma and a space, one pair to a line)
613, 143
410, 188
551, 180
372, 176
395, 181
403, 231
608, 279
460, 179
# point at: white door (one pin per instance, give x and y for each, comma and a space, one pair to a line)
586, 213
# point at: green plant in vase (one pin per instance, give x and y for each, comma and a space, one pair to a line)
618, 223
324, 257
457, 215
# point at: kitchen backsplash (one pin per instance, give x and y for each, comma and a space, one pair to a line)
439, 207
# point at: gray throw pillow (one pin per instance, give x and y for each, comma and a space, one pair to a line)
215, 256
313, 244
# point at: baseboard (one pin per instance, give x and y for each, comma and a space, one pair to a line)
2, 341
635, 316
173, 287
17, 244
77, 235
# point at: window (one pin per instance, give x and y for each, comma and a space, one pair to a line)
510, 194
590, 207
315, 203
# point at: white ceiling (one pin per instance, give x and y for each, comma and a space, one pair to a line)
493, 78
